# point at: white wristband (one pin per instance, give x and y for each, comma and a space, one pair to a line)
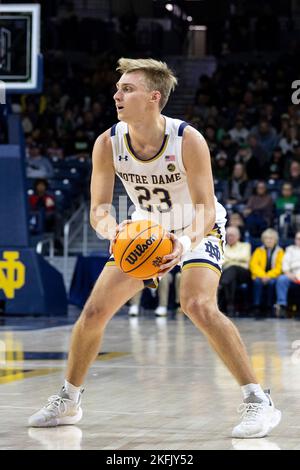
186, 243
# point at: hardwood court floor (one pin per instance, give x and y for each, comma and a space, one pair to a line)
157, 386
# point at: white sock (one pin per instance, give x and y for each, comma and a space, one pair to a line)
256, 389
72, 391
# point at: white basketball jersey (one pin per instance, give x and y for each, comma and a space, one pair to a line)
157, 187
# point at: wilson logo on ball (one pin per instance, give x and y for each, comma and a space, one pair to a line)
134, 255
139, 250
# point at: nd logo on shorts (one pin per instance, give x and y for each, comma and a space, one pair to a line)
213, 250
209, 253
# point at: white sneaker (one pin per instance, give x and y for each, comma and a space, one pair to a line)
258, 417
133, 310
161, 311
59, 410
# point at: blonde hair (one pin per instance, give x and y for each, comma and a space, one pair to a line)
270, 232
158, 75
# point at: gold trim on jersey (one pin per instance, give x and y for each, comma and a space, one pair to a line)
162, 150
200, 264
215, 233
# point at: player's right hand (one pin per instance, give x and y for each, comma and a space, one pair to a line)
119, 228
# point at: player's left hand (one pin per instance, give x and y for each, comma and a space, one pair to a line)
117, 231
169, 261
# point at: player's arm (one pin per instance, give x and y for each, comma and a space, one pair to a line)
102, 187
196, 160
197, 163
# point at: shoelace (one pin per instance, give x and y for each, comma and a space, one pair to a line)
250, 411
54, 403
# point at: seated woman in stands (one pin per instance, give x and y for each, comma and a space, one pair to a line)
265, 267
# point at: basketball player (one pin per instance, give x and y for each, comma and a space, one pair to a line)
165, 167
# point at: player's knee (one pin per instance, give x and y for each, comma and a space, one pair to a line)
200, 310
93, 316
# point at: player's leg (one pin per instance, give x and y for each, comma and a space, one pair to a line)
198, 298
112, 289
198, 293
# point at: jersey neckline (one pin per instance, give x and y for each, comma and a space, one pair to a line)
158, 154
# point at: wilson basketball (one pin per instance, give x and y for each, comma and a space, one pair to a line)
140, 247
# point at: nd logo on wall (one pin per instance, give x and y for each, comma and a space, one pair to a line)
12, 273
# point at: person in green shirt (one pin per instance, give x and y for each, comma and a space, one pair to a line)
287, 200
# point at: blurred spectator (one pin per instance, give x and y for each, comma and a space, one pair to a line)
29, 118
228, 146
259, 210
235, 267
276, 165
294, 176
239, 188
57, 99
210, 136
249, 107
202, 104
266, 135
250, 162
81, 144
287, 200
54, 150
257, 151
287, 136
236, 220
37, 165
239, 133
43, 202
291, 270
221, 169
89, 127
265, 267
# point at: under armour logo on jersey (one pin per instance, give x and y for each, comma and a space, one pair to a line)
212, 250
123, 158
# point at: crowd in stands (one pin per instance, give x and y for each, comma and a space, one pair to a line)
60, 127
267, 274
253, 131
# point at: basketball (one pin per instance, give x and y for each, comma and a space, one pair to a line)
140, 247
